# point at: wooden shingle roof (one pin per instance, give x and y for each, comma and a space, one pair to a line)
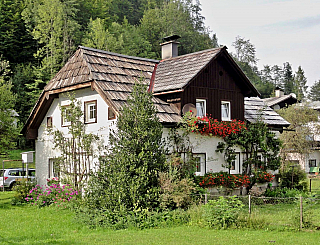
255, 108
176, 72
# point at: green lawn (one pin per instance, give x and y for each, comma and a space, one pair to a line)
31, 225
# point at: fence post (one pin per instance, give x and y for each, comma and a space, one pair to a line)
310, 184
249, 204
205, 198
301, 212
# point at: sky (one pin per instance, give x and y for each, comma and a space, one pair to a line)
281, 30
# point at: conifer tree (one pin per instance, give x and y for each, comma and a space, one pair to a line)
314, 94
128, 175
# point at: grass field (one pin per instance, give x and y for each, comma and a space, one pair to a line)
31, 225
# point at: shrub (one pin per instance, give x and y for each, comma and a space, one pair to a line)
263, 177
222, 213
223, 179
22, 190
53, 194
138, 219
296, 174
175, 192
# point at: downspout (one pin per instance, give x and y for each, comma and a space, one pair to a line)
151, 85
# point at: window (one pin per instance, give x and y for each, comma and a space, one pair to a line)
200, 160
54, 168
235, 167
225, 111
201, 107
90, 111
312, 163
111, 114
65, 116
49, 122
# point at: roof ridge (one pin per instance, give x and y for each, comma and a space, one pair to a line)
198, 52
117, 54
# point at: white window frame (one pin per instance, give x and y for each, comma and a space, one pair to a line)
90, 111
203, 107
228, 117
201, 166
64, 121
236, 167
53, 168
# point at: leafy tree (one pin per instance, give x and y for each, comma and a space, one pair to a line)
8, 123
314, 93
53, 25
176, 17
245, 51
76, 147
299, 137
127, 179
256, 139
288, 85
300, 84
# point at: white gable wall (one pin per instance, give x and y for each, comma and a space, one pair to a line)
44, 145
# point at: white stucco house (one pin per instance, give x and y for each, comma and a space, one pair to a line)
209, 81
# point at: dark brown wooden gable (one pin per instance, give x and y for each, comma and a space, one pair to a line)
217, 82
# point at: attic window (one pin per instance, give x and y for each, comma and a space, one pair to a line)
49, 122
65, 116
111, 114
225, 111
90, 111
201, 107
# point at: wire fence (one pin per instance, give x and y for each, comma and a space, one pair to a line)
290, 213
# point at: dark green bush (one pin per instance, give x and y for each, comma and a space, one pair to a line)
293, 177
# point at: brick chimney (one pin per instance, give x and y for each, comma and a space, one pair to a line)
169, 48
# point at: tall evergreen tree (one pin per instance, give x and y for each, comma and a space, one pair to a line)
8, 123
300, 84
128, 176
314, 93
17, 44
288, 79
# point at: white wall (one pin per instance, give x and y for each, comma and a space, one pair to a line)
44, 146
208, 145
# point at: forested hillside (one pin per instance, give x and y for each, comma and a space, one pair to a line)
38, 36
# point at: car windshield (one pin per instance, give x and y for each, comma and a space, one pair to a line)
1, 172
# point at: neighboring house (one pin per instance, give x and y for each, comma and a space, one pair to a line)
310, 162
209, 80
280, 100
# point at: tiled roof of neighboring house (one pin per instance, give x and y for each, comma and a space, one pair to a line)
256, 107
114, 74
276, 100
176, 72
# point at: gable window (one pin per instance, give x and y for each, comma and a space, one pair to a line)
90, 111
65, 120
200, 161
225, 111
111, 114
201, 107
49, 122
